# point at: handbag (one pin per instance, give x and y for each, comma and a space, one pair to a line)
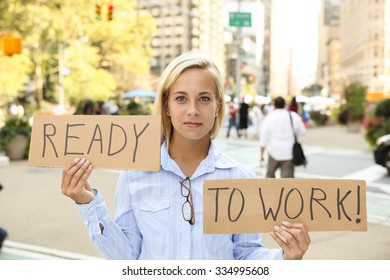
299, 157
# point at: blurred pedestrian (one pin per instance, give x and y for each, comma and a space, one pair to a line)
159, 215
305, 116
111, 107
257, 120
232, 119
88, 107
3, 232
268, 109
243, 117
277, 137
293, 106
99, 108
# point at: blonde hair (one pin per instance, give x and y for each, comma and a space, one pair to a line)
188, 60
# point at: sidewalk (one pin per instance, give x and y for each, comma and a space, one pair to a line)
337, 136
34, 211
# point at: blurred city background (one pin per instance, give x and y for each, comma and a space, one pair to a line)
63, 57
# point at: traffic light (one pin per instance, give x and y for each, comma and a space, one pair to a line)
104, 12
98, 13
110, 10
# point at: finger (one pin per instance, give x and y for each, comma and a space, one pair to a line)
285, 239
83, 182
289, 239
298, 230
298, 241
292, 250
68, 172
282, 244
78, 175
71, 176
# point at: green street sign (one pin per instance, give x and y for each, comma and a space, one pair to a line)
240, 19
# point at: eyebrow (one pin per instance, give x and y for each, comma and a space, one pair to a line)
200, 93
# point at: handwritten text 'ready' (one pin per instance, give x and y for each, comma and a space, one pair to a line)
74, 132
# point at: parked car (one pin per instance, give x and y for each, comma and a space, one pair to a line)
382, 152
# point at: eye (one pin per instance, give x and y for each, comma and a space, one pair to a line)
204, 99
181, 99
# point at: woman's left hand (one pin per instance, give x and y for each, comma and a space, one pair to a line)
293, 238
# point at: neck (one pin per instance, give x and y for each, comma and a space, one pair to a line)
186, 149
189, 154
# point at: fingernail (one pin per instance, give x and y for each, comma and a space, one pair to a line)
285, 223
283, 227
276, 228
76, 160
82, 160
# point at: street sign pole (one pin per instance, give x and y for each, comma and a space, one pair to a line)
239, 20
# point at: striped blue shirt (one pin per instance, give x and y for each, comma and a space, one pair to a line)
149, 223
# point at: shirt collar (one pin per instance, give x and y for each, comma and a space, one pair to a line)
215, 160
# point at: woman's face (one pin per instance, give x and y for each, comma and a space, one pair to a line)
192, 105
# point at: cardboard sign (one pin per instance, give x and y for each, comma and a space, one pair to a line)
256, 205
113, 142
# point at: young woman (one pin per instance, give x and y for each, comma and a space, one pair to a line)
159, 214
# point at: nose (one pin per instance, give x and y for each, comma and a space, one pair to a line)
192, 109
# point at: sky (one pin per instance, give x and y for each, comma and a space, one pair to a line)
301, 33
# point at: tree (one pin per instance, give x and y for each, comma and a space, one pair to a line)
312, 90
14, 76
378, 123
93, 55
355, 96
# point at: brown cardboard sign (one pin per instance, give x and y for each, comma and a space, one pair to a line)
113, 142
256, 205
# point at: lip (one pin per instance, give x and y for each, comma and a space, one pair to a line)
193, 124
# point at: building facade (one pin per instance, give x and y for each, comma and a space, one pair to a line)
365, 45
184, 25
328, 68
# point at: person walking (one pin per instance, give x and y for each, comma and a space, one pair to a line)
293, 106
277, 137
257, 120
232, 120
243, 117
159, 215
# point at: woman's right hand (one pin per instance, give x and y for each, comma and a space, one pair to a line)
75, 181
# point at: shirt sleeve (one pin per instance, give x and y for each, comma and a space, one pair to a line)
250, 247
119, 239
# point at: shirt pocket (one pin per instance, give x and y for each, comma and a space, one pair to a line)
154, 220
154, 205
